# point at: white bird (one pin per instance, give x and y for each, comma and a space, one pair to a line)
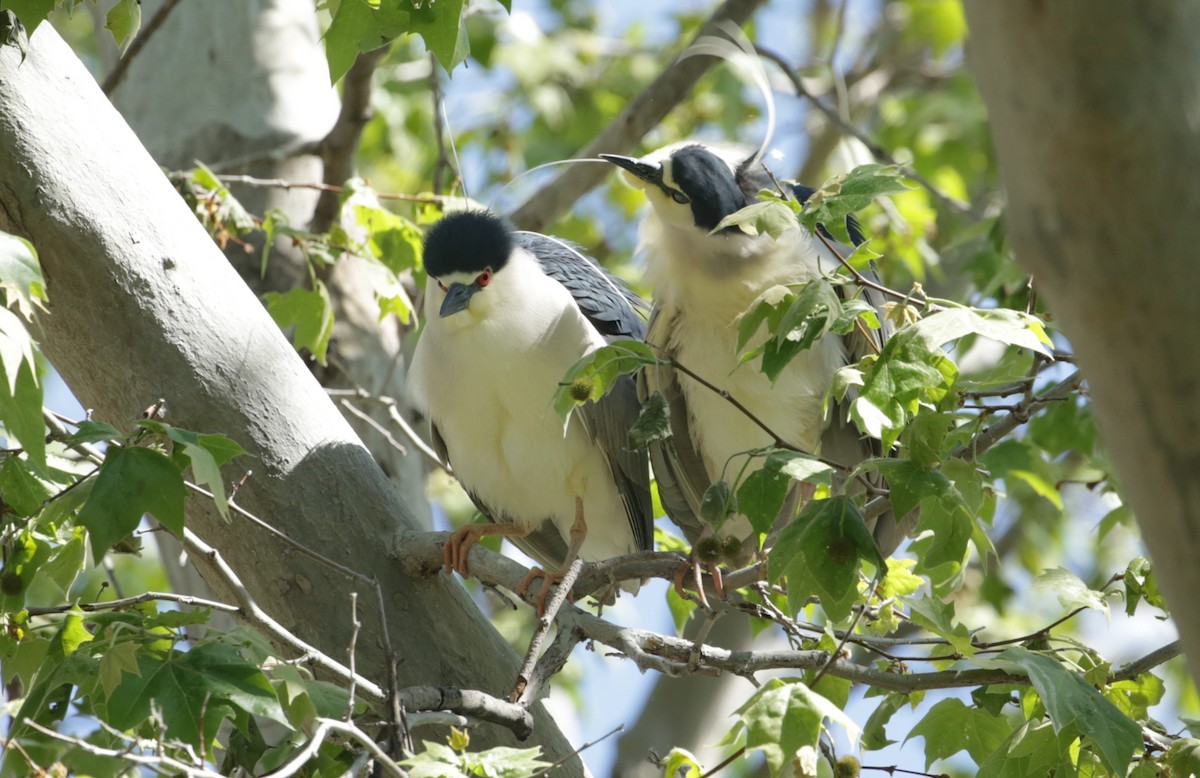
507, 314
703, 282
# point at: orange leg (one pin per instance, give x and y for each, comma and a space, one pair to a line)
454, 553
578, 533
693, 564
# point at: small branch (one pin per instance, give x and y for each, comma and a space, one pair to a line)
543, 629
92, 607
337, 148
282, 183
256, 615
877, 151
442, 163
135, 47
382, 430
157, 761
472, 703
1148, 662
778, 442
622, 134
988, 437
398, 418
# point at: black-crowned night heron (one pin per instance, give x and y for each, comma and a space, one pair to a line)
507, 313
703, 281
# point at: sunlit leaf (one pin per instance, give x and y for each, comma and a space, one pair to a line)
951, 726
310, 311
21, 276
132, 481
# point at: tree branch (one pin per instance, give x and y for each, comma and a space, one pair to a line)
639, 117
135, 47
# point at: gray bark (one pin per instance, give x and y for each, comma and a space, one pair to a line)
1095, 112
143, 306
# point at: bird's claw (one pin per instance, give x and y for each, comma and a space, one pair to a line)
549, 580
693, 564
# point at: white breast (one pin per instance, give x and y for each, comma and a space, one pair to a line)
707, 282
487, 377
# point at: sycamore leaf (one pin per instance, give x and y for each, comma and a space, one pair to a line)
594, 375
310, 311
206, 454
681, 763
20, 275
951, 726
938, 617
783, 716
30, 12
1071, 590
1072, 703
392, 239
117, 659
123, 21
1014, 328
761, 494
848, 193
211, 676
20, 390
23, 491
820, 552
765, 216
132, 481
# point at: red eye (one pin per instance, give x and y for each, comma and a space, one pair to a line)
441, 285
484, 278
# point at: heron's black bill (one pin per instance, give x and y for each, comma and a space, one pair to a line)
458, 297
650, 172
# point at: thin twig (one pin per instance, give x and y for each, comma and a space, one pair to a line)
622, 134
544, 622
282, 183
877, 151
578, 751
382, 430
135, 47
394, 414
352, 652
157, 761
91, 607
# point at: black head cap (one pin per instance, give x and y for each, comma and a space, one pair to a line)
467, 242
709, 183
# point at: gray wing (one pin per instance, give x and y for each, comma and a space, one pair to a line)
612, 308
544, 544
678, 468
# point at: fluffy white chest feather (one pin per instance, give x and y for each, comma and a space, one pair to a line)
487, 376
704, 286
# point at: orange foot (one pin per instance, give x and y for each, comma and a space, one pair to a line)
704, 554
454, 553
578, 533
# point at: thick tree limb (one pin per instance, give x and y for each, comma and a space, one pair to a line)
1094, 112
620, 137
144, 306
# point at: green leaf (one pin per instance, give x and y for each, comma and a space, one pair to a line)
211, 676
1015, 328
66, 561
1183, 757
439, 23
761, 494
874, 735
24, 558
1071, 590
124, 20
785, 715
22, 490
131, 482
95, 432
30, 12
116, 660
653, 423
951, 726
938, 617
392, 239
359, 25
1072, 702
1033, 749
681, 763
594, 375
907, 373
309, 310
848, 193
21, 275
20, 391
1141, 584
205, 453
820, 552
796, 320
717, 503
765, 216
